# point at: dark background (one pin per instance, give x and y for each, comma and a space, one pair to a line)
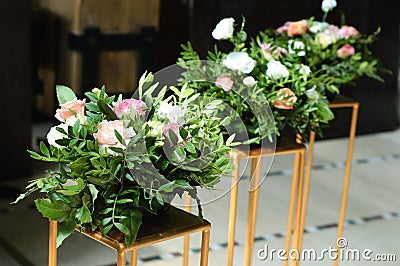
194, 20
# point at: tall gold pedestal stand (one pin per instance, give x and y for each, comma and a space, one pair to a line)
338, 102
174, 223
286, 146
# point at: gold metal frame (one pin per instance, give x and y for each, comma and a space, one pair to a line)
256, 154
176, 224
339, 102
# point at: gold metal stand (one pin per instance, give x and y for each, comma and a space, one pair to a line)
339, 102
172, 224
286, 146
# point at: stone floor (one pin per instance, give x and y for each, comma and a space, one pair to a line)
372, 217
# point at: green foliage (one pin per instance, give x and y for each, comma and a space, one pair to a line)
105, 186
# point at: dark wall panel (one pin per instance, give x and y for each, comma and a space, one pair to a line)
15, 84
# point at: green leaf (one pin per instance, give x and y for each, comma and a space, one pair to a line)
56, 210
64, 229
132, 221
123, 201
64, 94
167, 187
44, 149
83, 214
105, 109
230, 139
119, 137
172, 136
75, 128
123, 228
190, 147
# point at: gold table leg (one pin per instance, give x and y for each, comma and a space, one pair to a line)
291, 204
299, 226
306, 186
121, 258
52, 243
232, 210
133, 257
252, 208
346, 181
186, 238
205, 241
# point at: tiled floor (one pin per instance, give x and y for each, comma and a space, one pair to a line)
373, 214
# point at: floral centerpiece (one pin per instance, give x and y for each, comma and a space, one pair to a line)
337, 54
117, 159
258, 71
293, 69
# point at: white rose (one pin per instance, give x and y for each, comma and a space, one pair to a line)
240, 61
318, 26
276, 70
304, 70
164, 109
328, 5
224, 29
54, 135
313, 95
249, 81
174, 114
297, 46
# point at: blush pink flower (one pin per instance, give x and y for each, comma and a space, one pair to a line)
286, 99
71, 108
345, 51
224, 82
106, 136
346, 31
124, 107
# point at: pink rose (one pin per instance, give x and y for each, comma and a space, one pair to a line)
286, 99
124, 107
175, 128
224, 82
346, 31
71, 108
297, 27
106, 136
345, 51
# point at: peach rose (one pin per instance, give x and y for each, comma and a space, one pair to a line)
71, 108
106, 136
286, 99
345, 51
297, 27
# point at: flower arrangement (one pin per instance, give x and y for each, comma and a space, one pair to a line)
337, 54
293, 69
119, 159
270, 76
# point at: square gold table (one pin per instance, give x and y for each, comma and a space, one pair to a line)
165, 226
284, 146
338, 102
